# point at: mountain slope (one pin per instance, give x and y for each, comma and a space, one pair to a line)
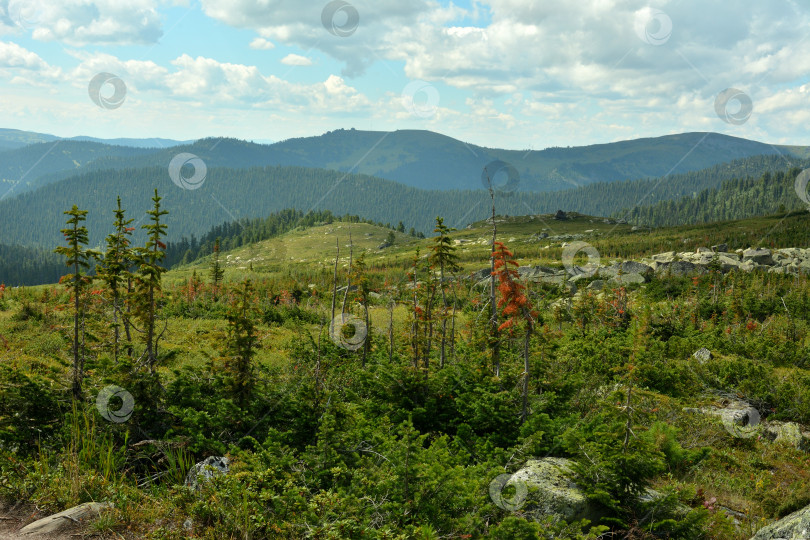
27, 168
428, 160
228, 194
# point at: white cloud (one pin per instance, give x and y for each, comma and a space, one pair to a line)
24, 67
296, 60
261, 44
82, 22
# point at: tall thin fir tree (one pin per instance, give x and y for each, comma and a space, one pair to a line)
148, 282
114, 271
242, 343
443, 255
77, 257
216, 271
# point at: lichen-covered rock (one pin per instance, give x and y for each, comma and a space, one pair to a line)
206, 469
795, 526
627, 279
677, 268
789, 433
702, 355
551, 492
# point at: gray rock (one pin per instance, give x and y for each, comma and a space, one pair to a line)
795, 526
627, 279
549, 491
544, 487
720, 247
727, 264
789, 433
633, 267
205, 470
702, 355
668, 256
734, 415
704, 250
677, 268
535, 272
478, 275
596, 285
759, 256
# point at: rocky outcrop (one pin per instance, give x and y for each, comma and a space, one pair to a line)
795, 526
702, 260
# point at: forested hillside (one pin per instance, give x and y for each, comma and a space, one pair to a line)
421, 159
734, 199
231, 194
25, 169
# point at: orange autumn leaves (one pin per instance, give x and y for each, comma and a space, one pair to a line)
513, 302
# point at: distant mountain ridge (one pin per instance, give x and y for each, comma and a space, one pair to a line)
420, 159
15, 138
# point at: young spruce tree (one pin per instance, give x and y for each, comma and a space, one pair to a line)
114, 270
78, 257
148, 281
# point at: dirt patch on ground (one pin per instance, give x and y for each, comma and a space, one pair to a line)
15, 517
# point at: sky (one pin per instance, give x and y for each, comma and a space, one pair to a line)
517, 74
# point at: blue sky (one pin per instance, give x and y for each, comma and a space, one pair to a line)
501, 73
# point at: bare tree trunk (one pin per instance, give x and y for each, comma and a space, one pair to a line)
444, 314
150, 331
525, 412
493, 319
349, 280
78, 367
368, 333
391, 306
126, 319
415, 325
334, 278
453, 330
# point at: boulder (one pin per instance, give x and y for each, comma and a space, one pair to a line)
727, 264
795, 526
548, 490
627, 279
544, 487
668, 256
205, 470
720, 247
596, 285
759, 256
789, 433
560, 215
58, 522
702, 355
633, 267
535, 272
677, 268
704, 250
738, 417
